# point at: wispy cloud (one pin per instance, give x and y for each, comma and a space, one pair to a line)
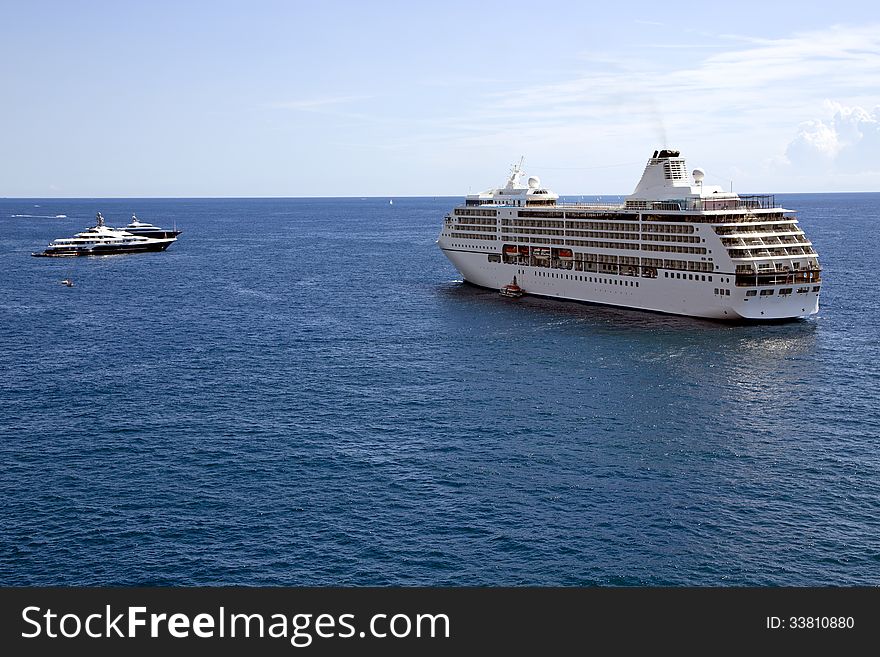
456, 81
313, 104
772, 73
743, 103
684, 46
765, 84
740, 107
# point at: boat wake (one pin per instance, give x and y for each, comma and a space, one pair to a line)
40, 216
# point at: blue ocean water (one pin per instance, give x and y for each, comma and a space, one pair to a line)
302, 392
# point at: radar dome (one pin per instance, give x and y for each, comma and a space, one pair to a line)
534, 182
699, 174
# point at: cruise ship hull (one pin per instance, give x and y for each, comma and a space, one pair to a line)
664, 295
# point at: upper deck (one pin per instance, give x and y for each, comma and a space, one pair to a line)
665, 190
746, 209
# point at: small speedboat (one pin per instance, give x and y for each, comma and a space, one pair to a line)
68, 282
511, 290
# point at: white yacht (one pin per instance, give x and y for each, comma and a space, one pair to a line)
103, 240
675, 245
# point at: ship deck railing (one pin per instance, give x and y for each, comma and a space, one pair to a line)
581, 205
744, 202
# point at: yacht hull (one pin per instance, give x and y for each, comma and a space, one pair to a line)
100, 250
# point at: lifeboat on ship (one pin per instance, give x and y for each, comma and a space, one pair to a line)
565, 254
511, 251
524, 251
541, 254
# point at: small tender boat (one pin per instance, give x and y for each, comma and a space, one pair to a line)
511, 290
68, 282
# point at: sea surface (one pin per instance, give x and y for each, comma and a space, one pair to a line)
303, 392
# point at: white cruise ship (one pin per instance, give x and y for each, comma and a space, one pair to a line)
674, 246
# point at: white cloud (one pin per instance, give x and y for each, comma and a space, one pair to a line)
768, 78
815, 141
730, 111
311, 104
848, 142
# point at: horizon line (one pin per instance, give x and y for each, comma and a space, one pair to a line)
400, 196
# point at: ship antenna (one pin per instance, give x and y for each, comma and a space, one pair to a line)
515, 172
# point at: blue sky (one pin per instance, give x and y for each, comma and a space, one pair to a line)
405, 98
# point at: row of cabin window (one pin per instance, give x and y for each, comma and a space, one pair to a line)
608, 235
782, 291
758, 229
477, 220
472, 237
478, 213
690, 277
671, 238
472, 246
536, 231
588, 279
673, 249
471, 228
603, 245
667, 228
597, 225
602, 225
596, 244
603, 234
